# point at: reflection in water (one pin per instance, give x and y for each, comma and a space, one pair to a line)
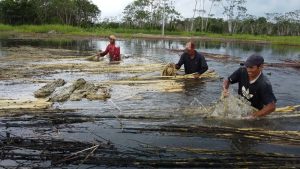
193, 87
228, 47
2, 52
241, 144
83, 45
283, 52
157, 48
266, 124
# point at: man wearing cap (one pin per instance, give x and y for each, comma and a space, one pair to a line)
253, 86
193, 61
112, 49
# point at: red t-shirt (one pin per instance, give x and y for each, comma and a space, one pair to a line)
113, 51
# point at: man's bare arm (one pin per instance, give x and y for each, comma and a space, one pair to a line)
269, 108
226, 84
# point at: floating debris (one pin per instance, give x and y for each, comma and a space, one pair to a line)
63, 93
73, 91
49, 88
91, 92
24, 104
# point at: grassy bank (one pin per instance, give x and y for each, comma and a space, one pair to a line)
127, 33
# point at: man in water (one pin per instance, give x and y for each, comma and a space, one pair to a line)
253, 86
112, 49
193, 61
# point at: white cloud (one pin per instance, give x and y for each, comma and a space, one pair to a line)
260, 8
111, 8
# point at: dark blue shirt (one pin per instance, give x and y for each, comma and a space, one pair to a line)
259, 93
196, 65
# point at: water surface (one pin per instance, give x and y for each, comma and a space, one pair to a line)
127, 100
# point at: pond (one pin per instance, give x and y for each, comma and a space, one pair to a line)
157, 128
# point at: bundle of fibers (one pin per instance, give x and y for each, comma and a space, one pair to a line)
232, 107
169, 70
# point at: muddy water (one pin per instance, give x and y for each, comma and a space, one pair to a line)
134, 117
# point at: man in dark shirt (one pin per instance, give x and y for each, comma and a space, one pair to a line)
193, 61
253, 86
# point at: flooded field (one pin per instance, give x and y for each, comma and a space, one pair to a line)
146, 120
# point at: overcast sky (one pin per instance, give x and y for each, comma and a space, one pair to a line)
114, 8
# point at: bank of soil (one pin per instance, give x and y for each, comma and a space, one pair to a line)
120, 36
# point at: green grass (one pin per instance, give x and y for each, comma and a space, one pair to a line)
66, 29
5, 27
128, 33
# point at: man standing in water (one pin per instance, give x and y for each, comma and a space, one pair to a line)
193, 61
253, 86
112, 49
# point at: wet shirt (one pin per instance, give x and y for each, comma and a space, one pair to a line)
113, 51
196, 65
259, 93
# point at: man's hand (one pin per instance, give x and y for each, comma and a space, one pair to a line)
225, 92
97, 57
250, 117
267, 109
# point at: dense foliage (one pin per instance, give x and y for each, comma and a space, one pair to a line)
71, 12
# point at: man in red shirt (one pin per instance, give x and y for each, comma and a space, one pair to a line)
112, 50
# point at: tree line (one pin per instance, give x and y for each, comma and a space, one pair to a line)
70, 12
151, 14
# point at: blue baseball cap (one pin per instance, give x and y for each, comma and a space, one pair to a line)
254, 60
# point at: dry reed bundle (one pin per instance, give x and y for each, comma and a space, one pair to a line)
169, 70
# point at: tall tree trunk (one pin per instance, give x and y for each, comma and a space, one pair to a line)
230, 26
252, 29
210, 8
202, 17
192, 25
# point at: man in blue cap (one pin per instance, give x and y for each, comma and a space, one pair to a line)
253, 86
